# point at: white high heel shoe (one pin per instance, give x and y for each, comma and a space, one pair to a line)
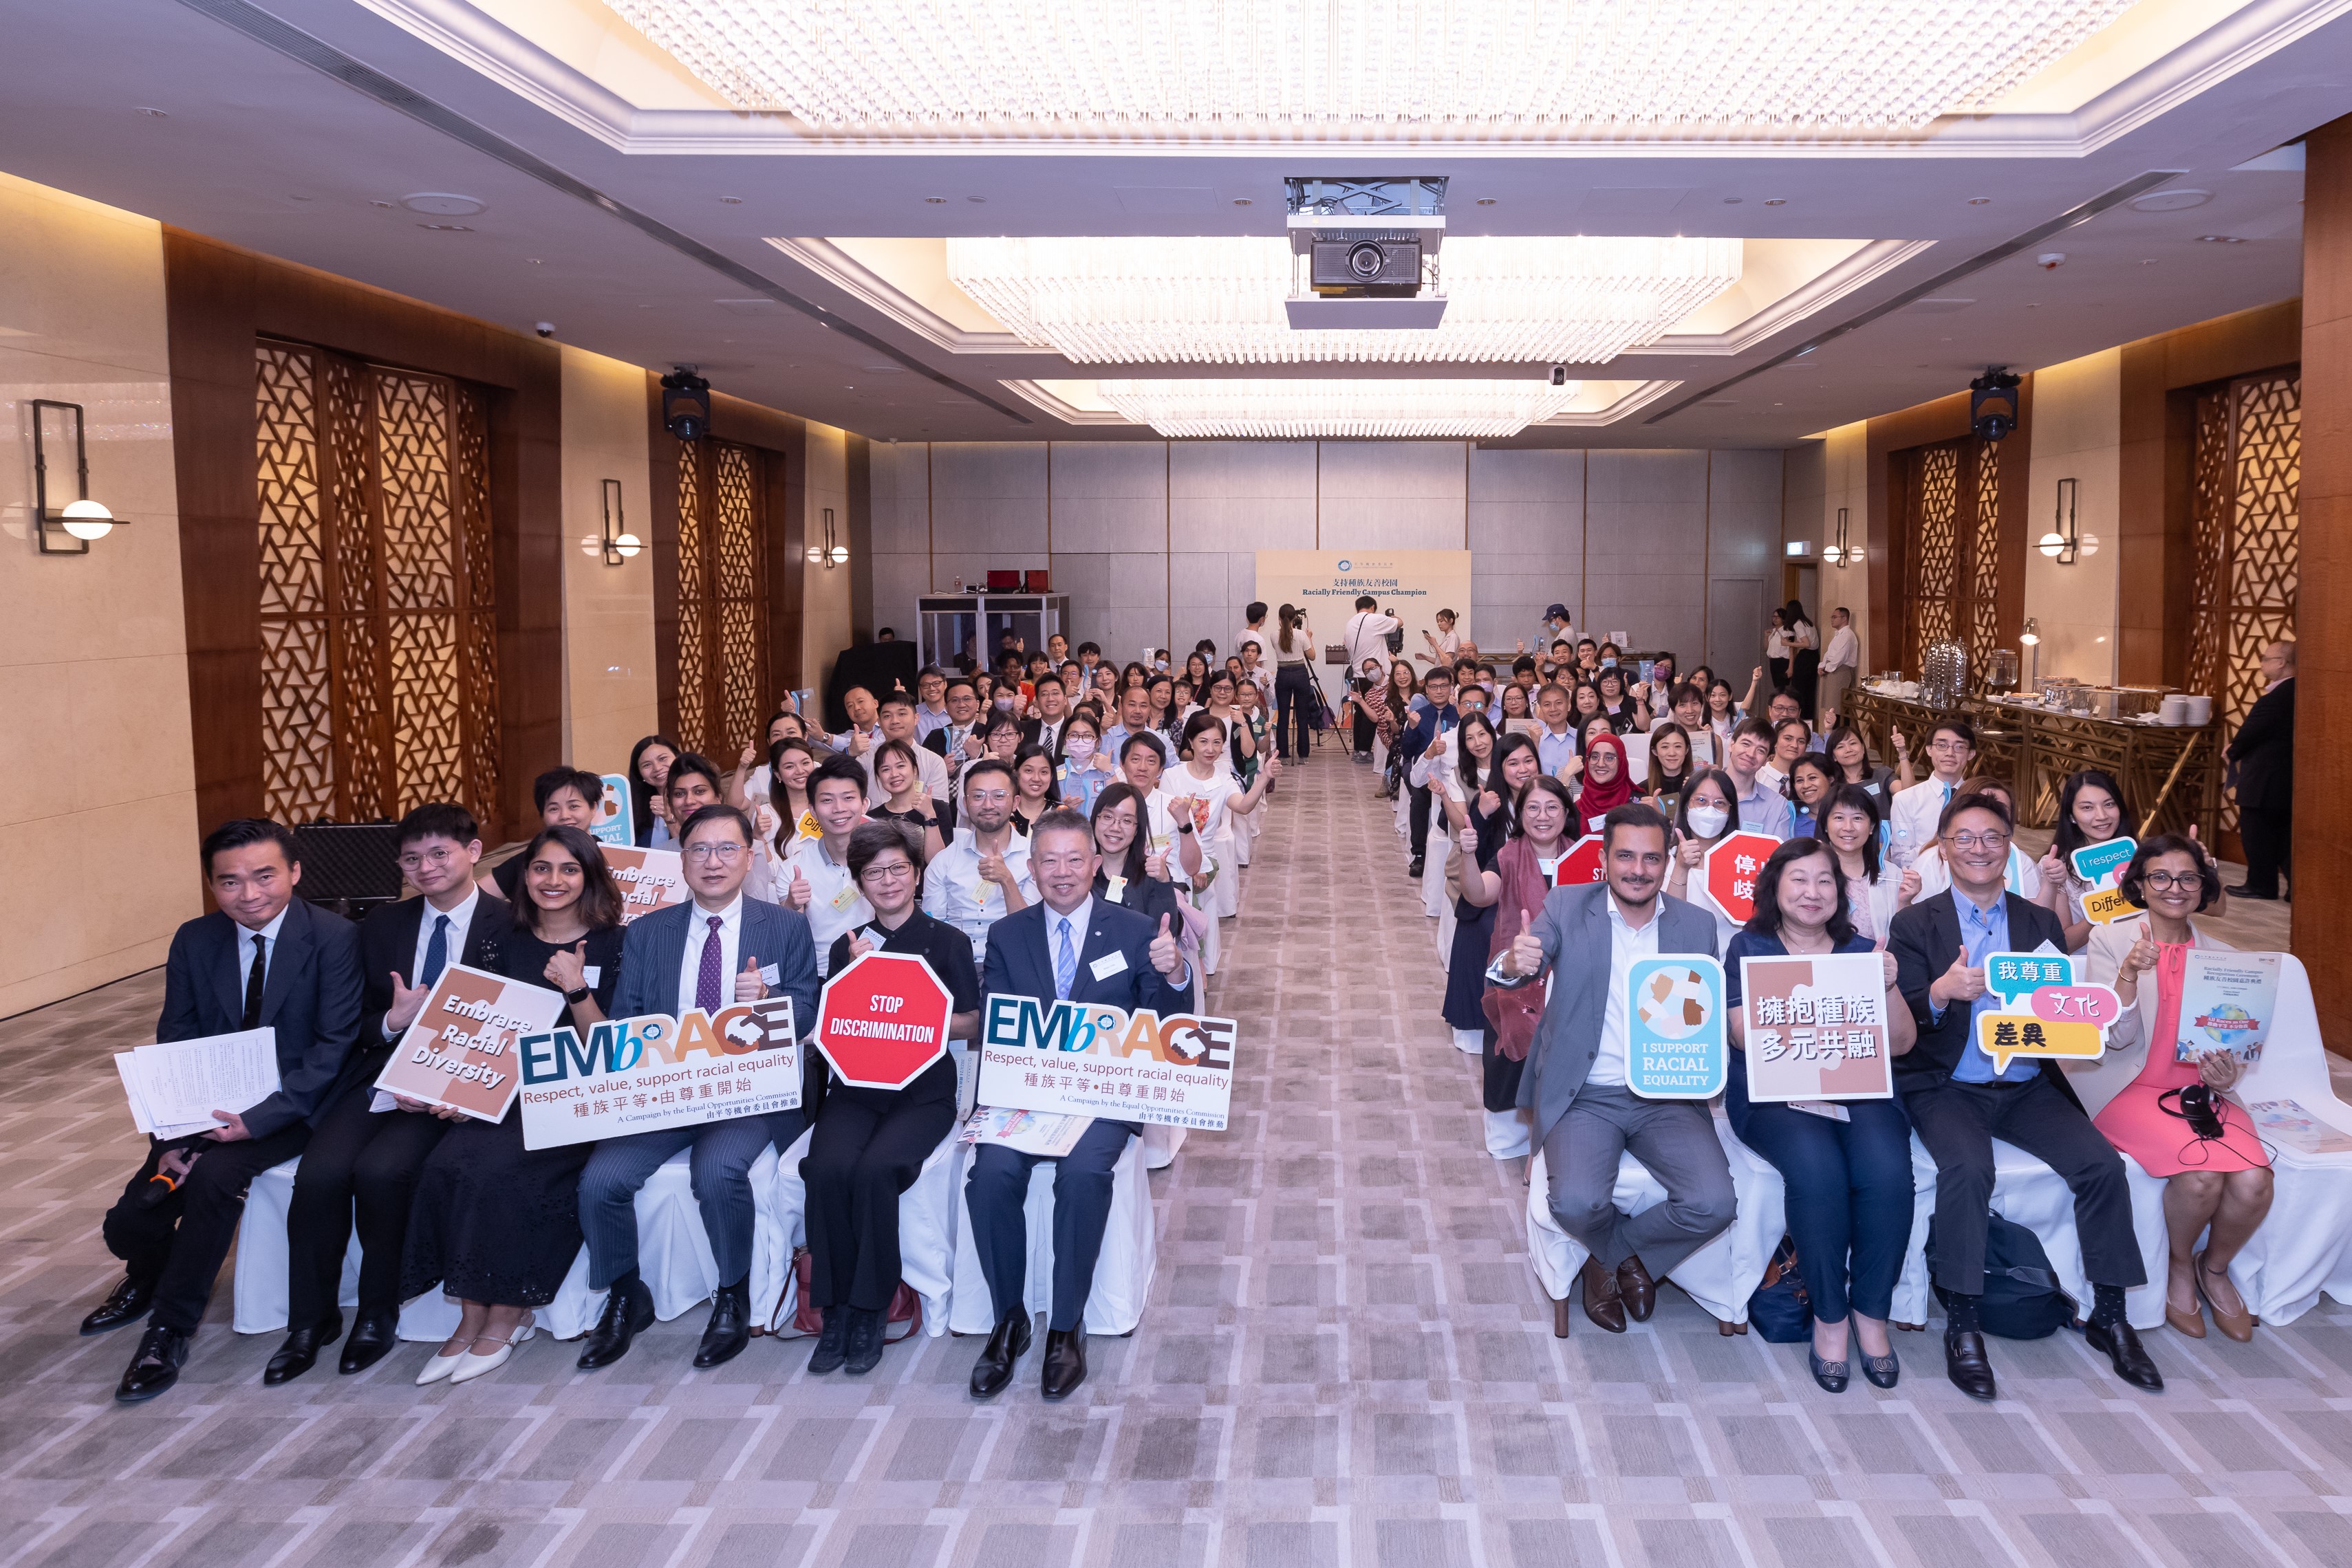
483, 1365
439, 1365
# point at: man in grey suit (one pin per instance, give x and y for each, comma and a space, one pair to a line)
1588, 938
722, 948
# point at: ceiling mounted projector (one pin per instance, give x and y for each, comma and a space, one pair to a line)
1370, 251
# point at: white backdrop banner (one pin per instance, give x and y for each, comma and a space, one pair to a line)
1412, 585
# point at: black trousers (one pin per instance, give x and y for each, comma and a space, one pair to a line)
2268, 836
1957, 1122
1417, 817
868, 1146
180, 1244
1297, 710
1363, 732
1777, 672
360, 1163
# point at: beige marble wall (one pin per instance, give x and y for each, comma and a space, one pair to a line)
2077, 434
610, 686
1823, 475
825, 595
96, 760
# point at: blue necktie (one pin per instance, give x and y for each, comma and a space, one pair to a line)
1065, 962
436, 952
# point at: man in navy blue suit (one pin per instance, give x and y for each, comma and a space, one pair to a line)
262, 958
722, 948
1070, 947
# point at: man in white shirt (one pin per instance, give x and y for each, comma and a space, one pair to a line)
931, 709
1142, 758
1254, 634
983, 875
1585, 1116
1838, 662
1914, 814
1554, 628
1762, 809
817, 884
1368, 632
901, 719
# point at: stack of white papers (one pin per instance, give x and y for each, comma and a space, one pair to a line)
1026, 1132
174, 1089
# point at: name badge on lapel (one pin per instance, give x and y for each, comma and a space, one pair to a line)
1110, 964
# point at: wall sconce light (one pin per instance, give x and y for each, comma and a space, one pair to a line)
829, 551
2032, 637
1839, 553
82, 520
610, 542
2066, 543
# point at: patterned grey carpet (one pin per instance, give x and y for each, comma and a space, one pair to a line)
1346, 1362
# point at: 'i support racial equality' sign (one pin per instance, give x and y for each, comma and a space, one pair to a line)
1089, 1059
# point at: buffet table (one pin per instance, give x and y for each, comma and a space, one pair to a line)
2170, 773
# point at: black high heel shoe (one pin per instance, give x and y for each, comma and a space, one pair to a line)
1882, 1370
1833, 1375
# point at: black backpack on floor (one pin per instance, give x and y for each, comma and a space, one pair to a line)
2021, 1298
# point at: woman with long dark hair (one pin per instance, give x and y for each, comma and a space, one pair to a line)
1296, 704
1508, 884
2091, 811
649, 762
493, 1223
1478, 839
1671, 767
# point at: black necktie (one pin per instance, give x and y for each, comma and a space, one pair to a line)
253, 979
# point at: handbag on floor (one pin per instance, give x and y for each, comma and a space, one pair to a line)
906, 1314
2021, 1298
1780, 1309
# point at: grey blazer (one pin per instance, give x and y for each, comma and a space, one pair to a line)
1574, 930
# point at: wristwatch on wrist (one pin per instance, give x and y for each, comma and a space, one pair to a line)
582, 995
1184, 827
927, 822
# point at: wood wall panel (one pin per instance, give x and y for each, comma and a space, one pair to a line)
220, 299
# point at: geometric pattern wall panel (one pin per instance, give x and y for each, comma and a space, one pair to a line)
1984, 560
1952, 564
378, 588
2246, 470
723, 681
1933, 513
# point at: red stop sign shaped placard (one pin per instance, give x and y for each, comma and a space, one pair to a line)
882, 1019
1731, 865
1580, 866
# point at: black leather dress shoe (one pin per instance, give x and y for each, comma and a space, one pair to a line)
156, 1366
1007, 1343
1415, 868
1639, 1291
864, 1349
729, 1328
1066, 1361
628, 1312
126, 1303
1602, 1302
2120, 1345
832, 1343
299, 1353
370, 1342
1965, 1364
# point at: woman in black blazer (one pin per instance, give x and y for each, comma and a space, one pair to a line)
1129, 877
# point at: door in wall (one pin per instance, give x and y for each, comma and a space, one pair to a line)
1735, 627
379, 604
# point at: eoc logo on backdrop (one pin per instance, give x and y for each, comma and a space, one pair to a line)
1090, 1059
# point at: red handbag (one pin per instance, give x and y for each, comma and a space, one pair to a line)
906, 1306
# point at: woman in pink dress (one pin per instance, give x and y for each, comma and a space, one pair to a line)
2224, 1183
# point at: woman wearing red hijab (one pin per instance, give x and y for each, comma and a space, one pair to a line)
1608, 780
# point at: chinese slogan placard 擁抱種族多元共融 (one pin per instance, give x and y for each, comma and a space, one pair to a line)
1816, 1027
1090, 1059
643, 1074
461, 1053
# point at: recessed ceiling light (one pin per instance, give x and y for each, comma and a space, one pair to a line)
447, 228
1486, 201
443, 203
975, 198
2221, 239
1776, 201
386, 205
154, 113
730, 201
1241, 201
2174, 201
1733, 201
934, 201
1979, 200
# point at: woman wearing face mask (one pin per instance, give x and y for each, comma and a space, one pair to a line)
905, 801
2218, 1189
1849, 1178
1670, 766
1811, 778
1710, 810
1875, 888
1518, 786
2091, 811
1608, 780
1080, 769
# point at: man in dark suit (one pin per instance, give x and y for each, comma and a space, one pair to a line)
367, 1160
1588, 939
262, 959
2264, 749
722, 948
1958, 1104
1428, 726
1068, 946
1043, 728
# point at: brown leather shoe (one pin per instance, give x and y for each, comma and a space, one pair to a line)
1641, 1291
2238, 1325
1603, 1303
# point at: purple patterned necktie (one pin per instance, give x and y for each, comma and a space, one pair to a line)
714, 963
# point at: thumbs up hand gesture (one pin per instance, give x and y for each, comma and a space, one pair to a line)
748, 988
1526, 956
408, 1001
797, 894
860, 944
1164, 956
567, 967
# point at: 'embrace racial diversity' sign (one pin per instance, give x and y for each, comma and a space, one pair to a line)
649, 879
461, 1051
1090, 1059
1816, 1027
1676, 1039
643, 1074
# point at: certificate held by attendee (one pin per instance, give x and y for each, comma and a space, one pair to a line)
460, 1052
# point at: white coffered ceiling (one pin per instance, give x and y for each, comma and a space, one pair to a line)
798, 251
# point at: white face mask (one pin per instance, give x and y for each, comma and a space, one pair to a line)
1707, 821
1079, 747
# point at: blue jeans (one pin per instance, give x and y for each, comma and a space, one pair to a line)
1849, 1185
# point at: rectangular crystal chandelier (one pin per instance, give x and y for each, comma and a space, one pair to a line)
1219, 300
1366, 70
1466, 409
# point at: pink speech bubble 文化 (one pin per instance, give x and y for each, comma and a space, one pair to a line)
2077, 1004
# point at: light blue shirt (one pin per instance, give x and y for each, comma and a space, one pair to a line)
1767, 810
1554, 750
1983, 931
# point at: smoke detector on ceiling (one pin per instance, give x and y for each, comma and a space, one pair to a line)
442, 203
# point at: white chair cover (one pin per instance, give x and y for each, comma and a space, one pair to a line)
1122, 1272
1160, 1145
1720, 1276
674, 1257
929, 1212
1434, 900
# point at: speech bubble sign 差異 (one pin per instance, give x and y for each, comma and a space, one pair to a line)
2009, 975
2006, 1036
